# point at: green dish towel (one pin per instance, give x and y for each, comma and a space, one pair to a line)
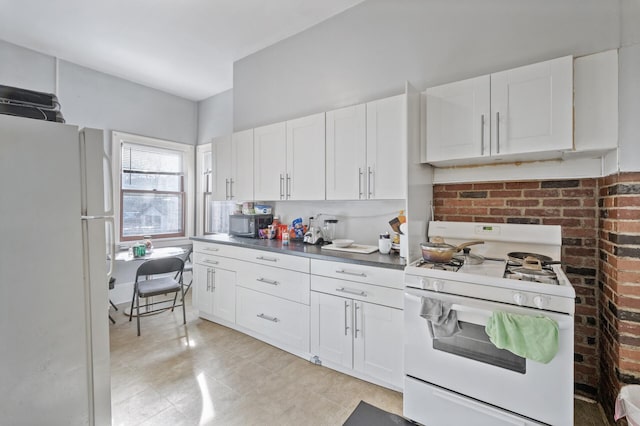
534, 338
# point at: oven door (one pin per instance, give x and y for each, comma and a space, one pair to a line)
469, 364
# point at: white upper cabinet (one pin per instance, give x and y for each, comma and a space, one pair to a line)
242, 165
532, 108
346, 153
233, 166
596, 101
222, 175
304, 176
270, 148
290, 159
458, 117
386, 174
504, 116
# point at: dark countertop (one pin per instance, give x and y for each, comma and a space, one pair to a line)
298, 248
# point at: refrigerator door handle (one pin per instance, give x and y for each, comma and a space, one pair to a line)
111, 244
85, 217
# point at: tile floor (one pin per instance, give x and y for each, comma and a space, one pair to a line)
207, 374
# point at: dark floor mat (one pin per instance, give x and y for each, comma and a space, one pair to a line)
368, 415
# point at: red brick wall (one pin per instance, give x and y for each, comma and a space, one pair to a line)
619, 283
569, 203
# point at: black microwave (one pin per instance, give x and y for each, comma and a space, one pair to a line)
247, 225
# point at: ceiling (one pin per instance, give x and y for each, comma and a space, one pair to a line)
183, 47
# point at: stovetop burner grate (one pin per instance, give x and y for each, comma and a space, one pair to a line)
453, 265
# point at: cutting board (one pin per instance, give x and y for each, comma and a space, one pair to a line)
353, 248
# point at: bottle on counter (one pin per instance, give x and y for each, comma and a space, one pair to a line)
285, 236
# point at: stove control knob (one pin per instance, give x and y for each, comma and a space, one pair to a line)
424, 283
539, 301
519, 298
437, 285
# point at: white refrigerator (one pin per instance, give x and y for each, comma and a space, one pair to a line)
55, 226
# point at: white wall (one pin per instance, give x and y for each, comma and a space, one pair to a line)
369, 51
92, 99
629, 87
215, 116
25, 68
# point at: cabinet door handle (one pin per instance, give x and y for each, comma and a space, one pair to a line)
369, 180
360, 175
352, 291
481, 134
211, 249
213, 280
498, 132
355, 320
268, 318
346, 323
355, 274
211, 262
269, 259
208, 278
288, 186
226, 189
231, 188
266, 281
281, 186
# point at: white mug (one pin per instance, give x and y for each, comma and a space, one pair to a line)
384, 245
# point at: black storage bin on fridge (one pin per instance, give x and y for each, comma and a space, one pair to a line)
29, 104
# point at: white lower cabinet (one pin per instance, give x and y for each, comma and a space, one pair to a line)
214, 291
358, 335
280, 320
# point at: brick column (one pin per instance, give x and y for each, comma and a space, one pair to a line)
619, 282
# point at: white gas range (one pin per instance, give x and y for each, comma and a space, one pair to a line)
465, 379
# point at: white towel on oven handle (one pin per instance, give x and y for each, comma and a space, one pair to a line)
441, 319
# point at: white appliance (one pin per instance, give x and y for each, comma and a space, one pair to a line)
465, 379
55, 226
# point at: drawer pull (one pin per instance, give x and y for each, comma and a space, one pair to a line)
351, 291
213, 262
268, 318
356, 274
212, 249
266, 281
270, 259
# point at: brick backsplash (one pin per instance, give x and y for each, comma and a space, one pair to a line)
569, 203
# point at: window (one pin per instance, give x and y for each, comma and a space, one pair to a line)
153, 187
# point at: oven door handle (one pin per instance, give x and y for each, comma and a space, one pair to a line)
481, 316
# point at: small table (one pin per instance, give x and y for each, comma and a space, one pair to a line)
156, 253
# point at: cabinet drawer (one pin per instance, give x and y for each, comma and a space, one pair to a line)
278, 319
353, 272
359, 291
290, 285
269, 258
215, 261
217, 249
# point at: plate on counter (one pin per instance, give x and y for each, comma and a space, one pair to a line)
353, 248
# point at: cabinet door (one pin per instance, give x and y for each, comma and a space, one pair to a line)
202, 297
331, 328
242, 165
223, 288
378, 342
269, 161
457, 120
304, 179
532, 108
221, 151
387, 148
346, 145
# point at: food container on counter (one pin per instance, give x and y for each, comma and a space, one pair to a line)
262, 209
